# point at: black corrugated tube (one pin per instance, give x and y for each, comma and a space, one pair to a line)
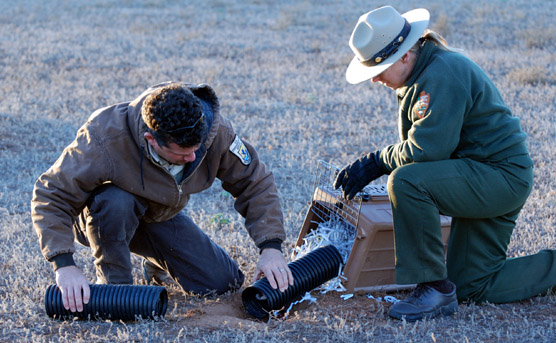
309, 272
114, 302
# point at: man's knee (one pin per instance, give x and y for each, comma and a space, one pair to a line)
230, 282
218, 281
113, 199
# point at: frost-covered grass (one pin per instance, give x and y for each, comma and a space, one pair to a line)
278, 67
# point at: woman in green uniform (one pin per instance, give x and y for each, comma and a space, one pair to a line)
461, 154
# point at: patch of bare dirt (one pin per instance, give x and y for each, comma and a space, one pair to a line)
228, 311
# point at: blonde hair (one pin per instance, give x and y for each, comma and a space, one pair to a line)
436, 38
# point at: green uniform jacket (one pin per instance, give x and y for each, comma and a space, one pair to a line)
449, 108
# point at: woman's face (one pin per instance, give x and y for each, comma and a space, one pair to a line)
397, 74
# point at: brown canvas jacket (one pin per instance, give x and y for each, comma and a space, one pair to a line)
110, 148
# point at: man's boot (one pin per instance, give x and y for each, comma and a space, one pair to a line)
155, 275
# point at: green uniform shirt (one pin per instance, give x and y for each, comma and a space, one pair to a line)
449, 108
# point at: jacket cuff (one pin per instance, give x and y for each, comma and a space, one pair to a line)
62, 260
381, 164
275, 243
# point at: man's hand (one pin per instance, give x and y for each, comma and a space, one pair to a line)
357, 175
71, 282
273, 265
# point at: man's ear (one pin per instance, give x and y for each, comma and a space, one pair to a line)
150, 138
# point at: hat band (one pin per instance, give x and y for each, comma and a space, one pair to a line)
390, 49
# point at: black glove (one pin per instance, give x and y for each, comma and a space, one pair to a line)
359, 174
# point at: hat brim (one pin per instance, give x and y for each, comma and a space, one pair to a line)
419, 20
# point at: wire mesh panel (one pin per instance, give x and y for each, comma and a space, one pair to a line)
375, 192
328, 202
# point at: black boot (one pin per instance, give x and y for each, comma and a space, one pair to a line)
427, 301
154, 275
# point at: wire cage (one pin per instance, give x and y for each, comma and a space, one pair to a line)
327, 201
361, 229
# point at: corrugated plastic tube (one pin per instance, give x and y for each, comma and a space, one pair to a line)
114, 302
309, 272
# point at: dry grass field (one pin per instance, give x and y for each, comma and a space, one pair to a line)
278, 67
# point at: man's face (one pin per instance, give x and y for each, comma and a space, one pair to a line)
173, 153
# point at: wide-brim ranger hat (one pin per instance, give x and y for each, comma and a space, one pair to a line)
380, 38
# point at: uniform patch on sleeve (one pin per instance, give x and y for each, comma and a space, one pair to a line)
422, 105
240, 150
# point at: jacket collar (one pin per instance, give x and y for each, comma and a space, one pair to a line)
422, 62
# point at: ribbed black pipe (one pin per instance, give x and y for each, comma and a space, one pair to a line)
309, 272
114, 302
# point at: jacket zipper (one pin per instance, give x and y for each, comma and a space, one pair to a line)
193, 172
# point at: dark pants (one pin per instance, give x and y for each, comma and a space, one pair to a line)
111, 225
484, 201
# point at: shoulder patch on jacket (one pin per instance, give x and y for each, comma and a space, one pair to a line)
240, 150
422, 105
